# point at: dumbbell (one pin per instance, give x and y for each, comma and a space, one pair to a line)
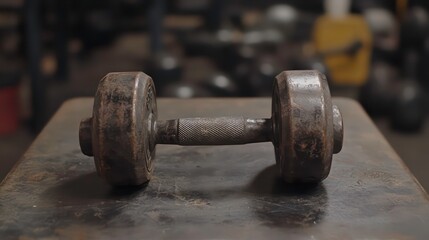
305, 128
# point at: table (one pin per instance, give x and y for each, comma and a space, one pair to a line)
213, 192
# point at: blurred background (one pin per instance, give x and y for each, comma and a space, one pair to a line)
375, 51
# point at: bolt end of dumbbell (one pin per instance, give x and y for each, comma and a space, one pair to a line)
85, 136
338, 129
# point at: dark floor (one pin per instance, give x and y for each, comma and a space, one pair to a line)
122, 56
413, 149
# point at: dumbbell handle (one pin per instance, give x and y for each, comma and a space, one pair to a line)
196, 131
213, 131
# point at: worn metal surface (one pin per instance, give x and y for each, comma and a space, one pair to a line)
212, 192
124, 129
121, 132
303, 126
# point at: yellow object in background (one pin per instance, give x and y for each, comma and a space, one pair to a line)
331, 34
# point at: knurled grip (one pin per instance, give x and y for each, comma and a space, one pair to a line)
213, 131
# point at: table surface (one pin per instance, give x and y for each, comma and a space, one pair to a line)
212, 191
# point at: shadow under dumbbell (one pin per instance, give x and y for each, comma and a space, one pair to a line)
87, 198
89, 188
287, 205
269, 182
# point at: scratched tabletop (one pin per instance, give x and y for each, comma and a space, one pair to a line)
212, 192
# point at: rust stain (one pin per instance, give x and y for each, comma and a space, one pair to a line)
37, 177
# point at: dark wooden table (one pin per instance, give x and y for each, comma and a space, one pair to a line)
212, 192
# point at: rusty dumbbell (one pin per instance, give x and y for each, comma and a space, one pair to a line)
305, 128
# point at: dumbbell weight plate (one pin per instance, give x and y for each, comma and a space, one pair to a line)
122, 122
302, 118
